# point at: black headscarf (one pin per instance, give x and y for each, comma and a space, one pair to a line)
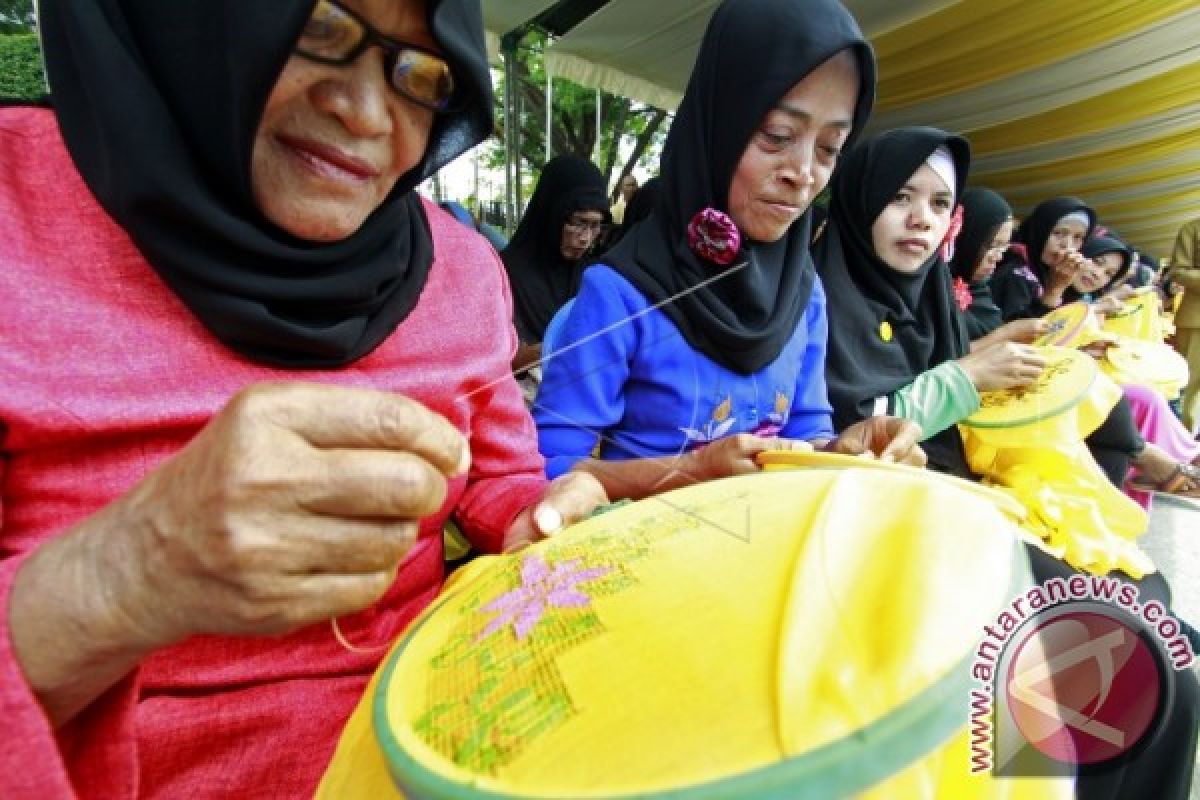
984, 211
863, 292
753, 53
159, 102
542, 280
644, 200
1020, 277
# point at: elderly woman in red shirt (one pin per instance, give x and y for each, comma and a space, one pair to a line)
243, 386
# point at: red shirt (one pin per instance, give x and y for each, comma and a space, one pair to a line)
104, 374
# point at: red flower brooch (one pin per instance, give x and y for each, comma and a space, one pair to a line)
962, 294
713, 236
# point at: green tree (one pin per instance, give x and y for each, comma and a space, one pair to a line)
21, 67
16, 16
625, 127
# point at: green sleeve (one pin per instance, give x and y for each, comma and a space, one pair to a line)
937, 399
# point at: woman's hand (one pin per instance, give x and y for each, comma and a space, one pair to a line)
1064, 272
1107, 305
734, 455
569, 498
889, 439
1023, 331
295, 503
1002, 365
1113, 301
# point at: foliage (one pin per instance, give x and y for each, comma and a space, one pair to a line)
16, 16
626, 129
21, 67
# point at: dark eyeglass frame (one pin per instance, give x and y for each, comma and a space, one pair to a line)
594, 228
392, 50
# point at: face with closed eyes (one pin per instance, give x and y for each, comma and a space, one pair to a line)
911, 227
791, 156
334, 140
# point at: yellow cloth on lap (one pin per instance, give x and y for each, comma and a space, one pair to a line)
786, 634
1039, 455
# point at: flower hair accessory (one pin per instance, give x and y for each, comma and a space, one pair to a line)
956, 223
713, 236
962, 294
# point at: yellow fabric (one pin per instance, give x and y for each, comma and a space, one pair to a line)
942, 53
1140, 355
736, 625
1073, 508
1045, 177
1161, 94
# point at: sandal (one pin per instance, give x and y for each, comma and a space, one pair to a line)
1184, 481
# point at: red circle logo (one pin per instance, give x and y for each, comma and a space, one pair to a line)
1083, 688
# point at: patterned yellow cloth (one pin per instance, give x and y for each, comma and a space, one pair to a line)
787, 634
1140, 354
1043, 461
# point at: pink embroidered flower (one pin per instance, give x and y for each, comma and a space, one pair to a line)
956, 223
541, 587
712, 235
962, 293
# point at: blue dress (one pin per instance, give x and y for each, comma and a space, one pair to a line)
623, 383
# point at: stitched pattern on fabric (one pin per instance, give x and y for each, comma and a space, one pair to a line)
1040, 387
493, 689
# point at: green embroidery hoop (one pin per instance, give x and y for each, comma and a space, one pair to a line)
842, 768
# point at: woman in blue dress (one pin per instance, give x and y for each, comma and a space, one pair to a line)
683, 356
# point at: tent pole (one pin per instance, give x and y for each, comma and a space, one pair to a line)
508, 50
596, 138
549, 113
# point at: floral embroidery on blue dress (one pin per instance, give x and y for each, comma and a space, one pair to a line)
721, 423
625, 375
775, 421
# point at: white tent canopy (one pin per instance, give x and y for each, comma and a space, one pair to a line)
502, 16
645, 50
1095, 99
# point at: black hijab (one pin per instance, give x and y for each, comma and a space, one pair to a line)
1034, 231
924, 327
984, 212
753, 53
1100, 245
542, 280
159, 102
644, 200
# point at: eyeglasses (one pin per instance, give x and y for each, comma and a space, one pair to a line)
335, 35
589, 227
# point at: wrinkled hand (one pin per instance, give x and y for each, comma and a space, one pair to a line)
1002, 365
568, 499
734, 455
294, 504
889, 439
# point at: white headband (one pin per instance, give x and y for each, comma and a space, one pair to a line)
1077, 216
942, 163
